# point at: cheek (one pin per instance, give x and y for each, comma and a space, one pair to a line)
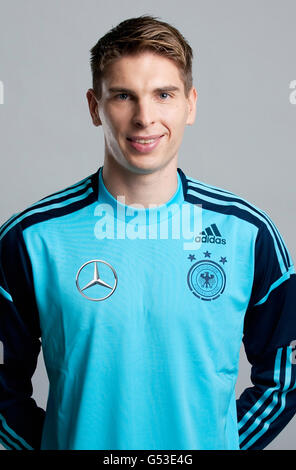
112, 124
175, 117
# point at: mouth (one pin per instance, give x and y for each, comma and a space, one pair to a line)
144, 144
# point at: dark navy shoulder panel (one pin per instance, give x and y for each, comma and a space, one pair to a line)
219, 200
224, 202
60, 203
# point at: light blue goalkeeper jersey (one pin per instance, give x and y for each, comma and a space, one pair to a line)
141, 324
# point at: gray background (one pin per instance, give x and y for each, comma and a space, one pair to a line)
244, 136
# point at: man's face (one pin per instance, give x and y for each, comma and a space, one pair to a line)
143, 110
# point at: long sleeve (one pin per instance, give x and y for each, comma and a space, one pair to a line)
21, 420
269, 341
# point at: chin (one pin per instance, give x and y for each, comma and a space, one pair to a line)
143, 164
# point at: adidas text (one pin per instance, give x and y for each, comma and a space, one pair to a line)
207, 239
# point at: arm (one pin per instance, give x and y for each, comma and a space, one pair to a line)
269, 340
21, 420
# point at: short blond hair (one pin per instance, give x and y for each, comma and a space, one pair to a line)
136, 35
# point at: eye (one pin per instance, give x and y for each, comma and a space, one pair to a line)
122, 96
164, 95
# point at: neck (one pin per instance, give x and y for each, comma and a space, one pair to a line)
154, 188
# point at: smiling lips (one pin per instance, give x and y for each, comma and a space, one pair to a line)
144, 144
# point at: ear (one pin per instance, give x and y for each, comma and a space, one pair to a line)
192, 98
93, 106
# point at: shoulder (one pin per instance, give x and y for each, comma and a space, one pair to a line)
220, 200
70, 199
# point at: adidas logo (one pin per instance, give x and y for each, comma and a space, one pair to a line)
211, 235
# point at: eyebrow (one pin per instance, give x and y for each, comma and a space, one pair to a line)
159, 90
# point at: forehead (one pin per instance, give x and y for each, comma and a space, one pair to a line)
147, 69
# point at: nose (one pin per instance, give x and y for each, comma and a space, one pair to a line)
143, 114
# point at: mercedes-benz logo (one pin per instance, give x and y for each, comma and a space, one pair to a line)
97, 280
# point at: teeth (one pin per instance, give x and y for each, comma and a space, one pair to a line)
142, 141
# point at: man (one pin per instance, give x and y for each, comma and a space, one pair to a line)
141, 335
